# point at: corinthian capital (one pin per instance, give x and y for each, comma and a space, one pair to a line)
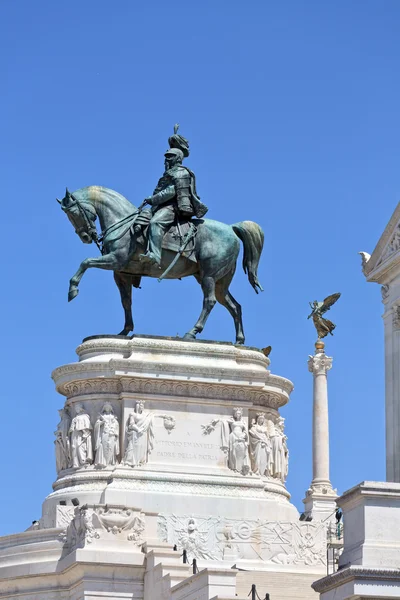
319, 364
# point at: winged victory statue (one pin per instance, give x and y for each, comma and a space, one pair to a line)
323, 326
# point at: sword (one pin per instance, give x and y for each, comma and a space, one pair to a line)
189, 236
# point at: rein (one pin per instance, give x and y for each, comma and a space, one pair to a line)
91, 230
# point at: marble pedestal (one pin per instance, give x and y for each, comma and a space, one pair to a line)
369, 564
156, 435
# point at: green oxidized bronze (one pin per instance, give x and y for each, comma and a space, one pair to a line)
323, 326
171, 239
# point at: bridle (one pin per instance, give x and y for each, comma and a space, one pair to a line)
88, 226
91, 230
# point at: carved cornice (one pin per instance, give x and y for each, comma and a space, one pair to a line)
319, 364
265, 397
354, 572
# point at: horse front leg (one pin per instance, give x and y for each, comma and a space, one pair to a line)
110, 262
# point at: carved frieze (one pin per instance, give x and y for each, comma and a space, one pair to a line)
187, 389
281, 542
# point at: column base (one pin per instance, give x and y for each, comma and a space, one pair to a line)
320, 501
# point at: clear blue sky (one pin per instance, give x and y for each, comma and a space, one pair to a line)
292, 112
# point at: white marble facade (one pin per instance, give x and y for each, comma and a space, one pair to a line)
166, 442
383, 267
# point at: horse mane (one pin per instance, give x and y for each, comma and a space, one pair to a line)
94, 193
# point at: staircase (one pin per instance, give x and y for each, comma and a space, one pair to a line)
167, 578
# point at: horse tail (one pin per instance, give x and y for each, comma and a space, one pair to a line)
252, 237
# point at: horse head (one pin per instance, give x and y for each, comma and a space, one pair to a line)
82, 216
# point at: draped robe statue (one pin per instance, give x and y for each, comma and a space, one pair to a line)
62, 445
260, 447
279, 451
81, 438
234, 441
106, 437
139, 437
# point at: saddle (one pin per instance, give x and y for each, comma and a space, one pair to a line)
173, 237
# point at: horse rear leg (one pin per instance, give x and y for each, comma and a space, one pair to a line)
209, 301
124, 283
225, 298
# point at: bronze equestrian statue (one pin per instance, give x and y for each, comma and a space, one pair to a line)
204, 248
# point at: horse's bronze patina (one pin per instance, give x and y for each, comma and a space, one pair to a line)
216, 251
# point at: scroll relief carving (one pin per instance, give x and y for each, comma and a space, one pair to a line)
91, 523
270, 399
263, 449
282, 542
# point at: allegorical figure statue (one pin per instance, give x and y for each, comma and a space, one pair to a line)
260, 447
106, 437
323, 326
234, 440
62, 445
81, 438
280, 454
139, 436
174, 199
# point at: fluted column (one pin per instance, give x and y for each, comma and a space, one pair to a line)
320, 497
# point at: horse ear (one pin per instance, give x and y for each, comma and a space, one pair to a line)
59, 201
67, 192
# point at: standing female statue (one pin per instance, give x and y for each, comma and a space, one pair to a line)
280, 452
235, 442
139, 437
81, 438
62, 445
106, 437
260, 447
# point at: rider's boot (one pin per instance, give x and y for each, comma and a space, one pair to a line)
149, 258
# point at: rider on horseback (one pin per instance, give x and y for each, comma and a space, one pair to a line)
175, 198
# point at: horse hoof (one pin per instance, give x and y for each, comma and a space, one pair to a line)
72, 294
189, 336
239, 342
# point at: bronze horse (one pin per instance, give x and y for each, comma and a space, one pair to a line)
216, 252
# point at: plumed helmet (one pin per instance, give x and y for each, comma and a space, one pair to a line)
178, 142
174, 152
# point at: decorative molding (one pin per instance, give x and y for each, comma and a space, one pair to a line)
319, 364
186, 389
321, 489
129, 479
355, 572
183, 348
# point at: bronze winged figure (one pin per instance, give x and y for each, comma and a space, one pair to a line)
323, 326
